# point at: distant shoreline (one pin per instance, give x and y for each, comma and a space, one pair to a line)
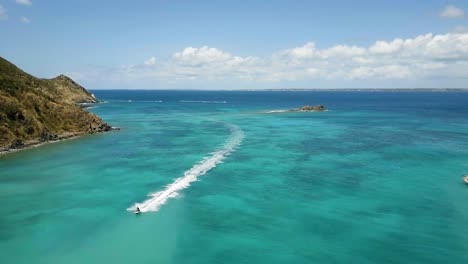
435, 90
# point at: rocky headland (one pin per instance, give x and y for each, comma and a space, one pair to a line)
35, 111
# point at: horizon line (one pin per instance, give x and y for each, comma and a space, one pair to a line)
288, 89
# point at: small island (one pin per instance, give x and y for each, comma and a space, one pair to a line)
308, 108
305, 108
35, 111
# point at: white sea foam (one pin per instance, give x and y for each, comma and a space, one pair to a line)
203, 102
159, 198
277, 111
138, 101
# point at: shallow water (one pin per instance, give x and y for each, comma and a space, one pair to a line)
377, 179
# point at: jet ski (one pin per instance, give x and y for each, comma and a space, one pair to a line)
465, 179
137, 210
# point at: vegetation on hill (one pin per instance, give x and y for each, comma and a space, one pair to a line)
34, 110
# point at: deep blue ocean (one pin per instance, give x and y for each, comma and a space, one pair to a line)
229, 177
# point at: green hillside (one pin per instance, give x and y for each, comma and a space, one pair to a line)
34, 110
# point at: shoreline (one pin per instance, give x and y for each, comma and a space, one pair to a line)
37, 143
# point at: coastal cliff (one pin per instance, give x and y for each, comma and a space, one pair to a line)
34, 110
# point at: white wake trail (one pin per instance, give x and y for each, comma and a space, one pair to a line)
157, 199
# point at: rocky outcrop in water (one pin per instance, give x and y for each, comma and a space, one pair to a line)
34, 110
316, 108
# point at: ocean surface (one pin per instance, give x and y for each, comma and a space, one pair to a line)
228, 177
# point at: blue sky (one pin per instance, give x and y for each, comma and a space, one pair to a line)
240, 44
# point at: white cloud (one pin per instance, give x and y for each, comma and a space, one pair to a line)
342, 51
209, 63
3, 13
452, 11
381, 72
414, 59
304, 52
384, 47
25, 20
24, 2
196, 56
150, 61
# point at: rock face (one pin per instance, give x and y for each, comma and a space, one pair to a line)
318, 108
34, 110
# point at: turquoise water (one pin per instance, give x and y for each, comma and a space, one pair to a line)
377, 179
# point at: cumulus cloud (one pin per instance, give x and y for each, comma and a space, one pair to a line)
452, 11
3, 13
304, 52
203, 55
209, 63
385, 72
25, 20
420, 58
310, 51
24, 2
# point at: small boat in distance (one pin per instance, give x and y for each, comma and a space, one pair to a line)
465, 179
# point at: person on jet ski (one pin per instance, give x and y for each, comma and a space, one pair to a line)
138, 210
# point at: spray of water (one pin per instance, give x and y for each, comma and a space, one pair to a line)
159, 198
